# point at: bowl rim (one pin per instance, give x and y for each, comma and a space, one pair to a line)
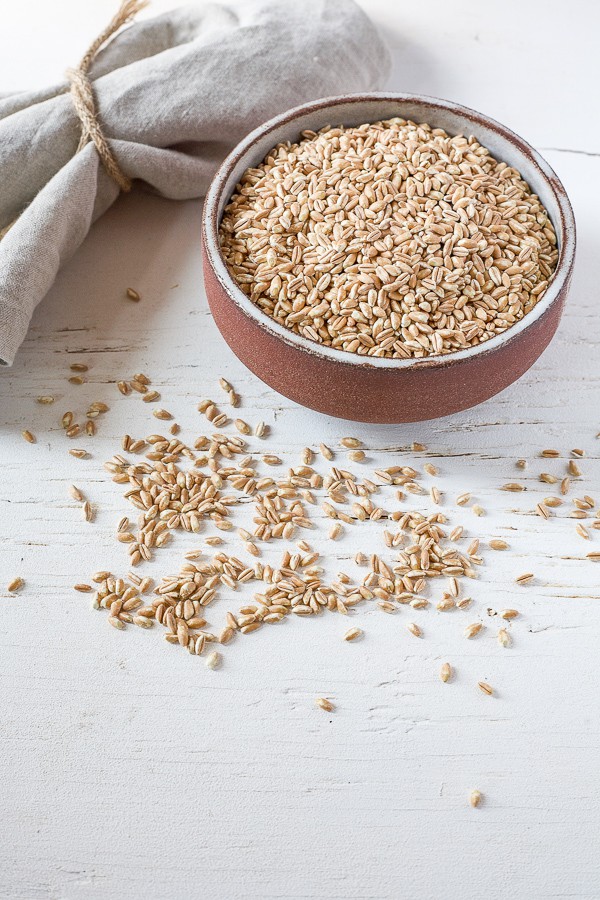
566, 232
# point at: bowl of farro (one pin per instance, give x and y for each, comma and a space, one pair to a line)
387, 258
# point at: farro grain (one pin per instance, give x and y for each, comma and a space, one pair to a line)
357, 456
382, 216
547, 478
325, 704
497, 544
504, 638
213, 660
526, 578
542, 510
475, 798
353, 634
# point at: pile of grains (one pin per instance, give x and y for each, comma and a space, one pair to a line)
417, 559
390, 239
180, 486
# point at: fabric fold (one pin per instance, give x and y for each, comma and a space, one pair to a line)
174, 94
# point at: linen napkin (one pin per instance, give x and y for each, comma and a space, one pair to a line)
173, 95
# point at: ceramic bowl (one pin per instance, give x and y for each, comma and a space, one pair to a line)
372, 389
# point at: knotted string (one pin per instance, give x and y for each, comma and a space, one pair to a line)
84, 103
83, 95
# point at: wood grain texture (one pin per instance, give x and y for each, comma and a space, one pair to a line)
129, 769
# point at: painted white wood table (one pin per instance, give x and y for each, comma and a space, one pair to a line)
131, 770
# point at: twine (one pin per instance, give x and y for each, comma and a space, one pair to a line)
83, 98
83, 95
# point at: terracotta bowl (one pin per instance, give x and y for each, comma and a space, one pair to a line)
383, 390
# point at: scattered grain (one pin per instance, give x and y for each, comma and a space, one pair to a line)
526, 578
542, 510
504, 637
498, 544
353, 634
324, 704
15, 585
475, 798
213, 660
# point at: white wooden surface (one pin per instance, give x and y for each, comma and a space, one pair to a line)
129, 770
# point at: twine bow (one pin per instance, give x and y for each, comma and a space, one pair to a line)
83, 96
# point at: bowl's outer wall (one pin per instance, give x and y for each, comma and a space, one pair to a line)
366, 394
371, 393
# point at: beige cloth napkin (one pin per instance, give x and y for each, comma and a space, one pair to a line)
174, 94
